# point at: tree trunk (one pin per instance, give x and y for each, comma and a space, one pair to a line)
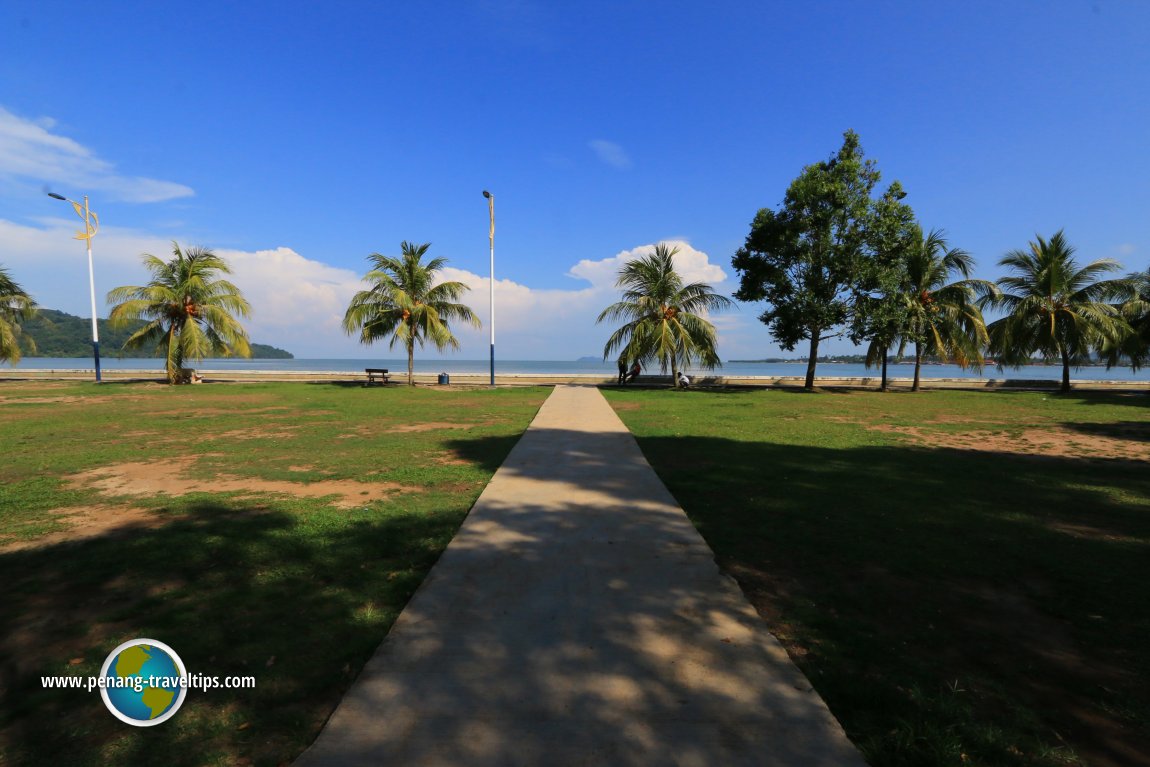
812, 359
882, 386
917, 365
174, 361
411, 363
675, 370
1065, 372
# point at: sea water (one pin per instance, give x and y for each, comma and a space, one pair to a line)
582, 367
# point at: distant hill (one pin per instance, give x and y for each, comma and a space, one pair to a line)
58, 334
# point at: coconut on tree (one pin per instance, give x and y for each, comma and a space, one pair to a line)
190, 311
16, 307
406, 305
663, 316
1054, 308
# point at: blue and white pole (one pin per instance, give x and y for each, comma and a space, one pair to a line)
491, 239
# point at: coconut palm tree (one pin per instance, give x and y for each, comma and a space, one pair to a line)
405, 303
1054, 308
16, 306
662, 315
938, 317
190, 312
1134, 348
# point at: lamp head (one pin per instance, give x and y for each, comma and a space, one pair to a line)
487, 194
57, 196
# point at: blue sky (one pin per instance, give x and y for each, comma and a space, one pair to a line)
297, 138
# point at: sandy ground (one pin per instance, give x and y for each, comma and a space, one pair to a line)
170, 477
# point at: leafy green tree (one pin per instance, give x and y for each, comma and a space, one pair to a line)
941, 317
16, 307
811, 260
405, 303
1054, 308
190, 312
879, 309
662, 315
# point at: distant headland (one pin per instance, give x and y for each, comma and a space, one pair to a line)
59, 334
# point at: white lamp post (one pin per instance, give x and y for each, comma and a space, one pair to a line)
491, 239
91, 226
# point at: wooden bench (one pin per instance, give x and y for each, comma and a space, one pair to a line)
375, 373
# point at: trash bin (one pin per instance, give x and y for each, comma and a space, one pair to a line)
444, 379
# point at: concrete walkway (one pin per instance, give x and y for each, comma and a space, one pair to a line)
578, 618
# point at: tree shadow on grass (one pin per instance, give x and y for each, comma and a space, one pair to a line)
299, 601
349, 384
896, 570
1134, 431
718, 389
1129, 399
488, 453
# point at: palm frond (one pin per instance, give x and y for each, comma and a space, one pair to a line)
16, 307
405, 304
1056, 309
190, 310
662, 315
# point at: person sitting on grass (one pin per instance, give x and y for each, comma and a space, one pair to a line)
633, 373
684, 381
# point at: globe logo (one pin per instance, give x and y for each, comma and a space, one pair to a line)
142, 682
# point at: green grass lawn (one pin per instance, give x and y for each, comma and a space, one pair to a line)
964, 576
271, 530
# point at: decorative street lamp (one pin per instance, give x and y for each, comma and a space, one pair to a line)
91, 226
491, 238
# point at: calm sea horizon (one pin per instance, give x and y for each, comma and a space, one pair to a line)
580, 367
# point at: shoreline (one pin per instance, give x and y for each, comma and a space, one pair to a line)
586, 379
230, 367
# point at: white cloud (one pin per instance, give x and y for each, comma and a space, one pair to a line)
693, 265
298, 302
1127, 249
29, 149
53, 266
529, 322
611, 153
